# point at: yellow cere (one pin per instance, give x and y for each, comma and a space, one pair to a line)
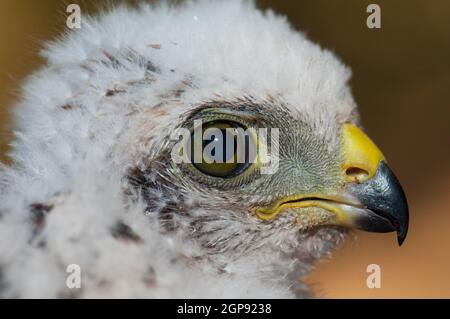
359, 152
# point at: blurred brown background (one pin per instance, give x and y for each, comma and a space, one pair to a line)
401, 81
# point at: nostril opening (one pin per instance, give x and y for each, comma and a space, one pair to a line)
356, 173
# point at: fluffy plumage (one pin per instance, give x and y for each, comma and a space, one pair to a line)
89, 184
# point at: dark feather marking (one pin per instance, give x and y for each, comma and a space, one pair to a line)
38, 214
113, 62
131, 56
113, 92
124, 232
140, 180
149, 278
178, 93
67, 107
135, 57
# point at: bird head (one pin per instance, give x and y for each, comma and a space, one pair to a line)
257, 173
236, 135
304, 170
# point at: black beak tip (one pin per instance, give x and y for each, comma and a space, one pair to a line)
401, 206
399, 211
401, 238
402, 230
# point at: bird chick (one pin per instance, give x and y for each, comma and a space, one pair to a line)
94, 181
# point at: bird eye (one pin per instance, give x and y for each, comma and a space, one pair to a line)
222, 148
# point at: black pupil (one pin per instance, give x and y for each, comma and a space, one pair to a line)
227, 154
225, 162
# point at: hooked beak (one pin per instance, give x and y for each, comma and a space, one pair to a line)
372, 198
382, 204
